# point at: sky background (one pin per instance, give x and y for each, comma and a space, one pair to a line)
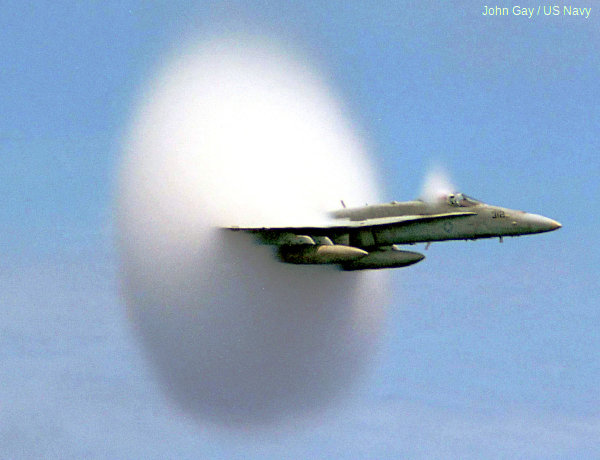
489, 350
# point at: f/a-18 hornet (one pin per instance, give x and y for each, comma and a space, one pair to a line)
367, 237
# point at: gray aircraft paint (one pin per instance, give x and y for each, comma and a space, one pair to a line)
377, 229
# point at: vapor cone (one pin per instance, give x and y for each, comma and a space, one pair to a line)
437, 185
232, 134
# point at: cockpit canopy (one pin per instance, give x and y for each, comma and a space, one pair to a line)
461, 200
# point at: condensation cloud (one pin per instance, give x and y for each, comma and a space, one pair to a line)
242, 134
437, 184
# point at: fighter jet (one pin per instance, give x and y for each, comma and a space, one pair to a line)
367, 237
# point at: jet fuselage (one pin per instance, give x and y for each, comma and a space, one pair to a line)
478, 220
367, 237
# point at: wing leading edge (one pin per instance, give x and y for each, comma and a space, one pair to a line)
270, 235
350, 245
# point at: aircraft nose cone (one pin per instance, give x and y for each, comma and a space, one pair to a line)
542, 224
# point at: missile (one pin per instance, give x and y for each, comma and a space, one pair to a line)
386, 258
319, 254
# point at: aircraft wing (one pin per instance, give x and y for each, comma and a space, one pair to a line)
294, 235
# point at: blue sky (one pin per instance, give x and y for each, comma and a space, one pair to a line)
489, 350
